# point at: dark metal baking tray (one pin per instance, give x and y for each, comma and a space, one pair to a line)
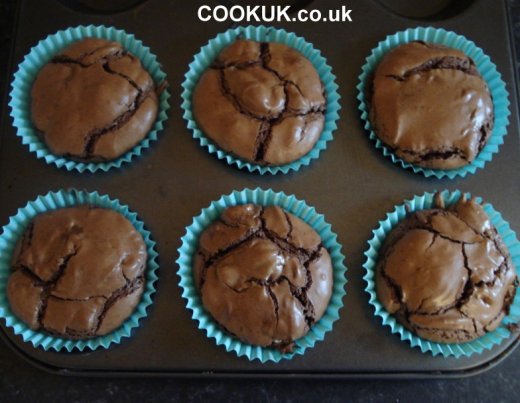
351, 183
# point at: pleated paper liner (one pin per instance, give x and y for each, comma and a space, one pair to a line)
203, 318
477, 346
485, 67
207, 55
16, 227
41, 54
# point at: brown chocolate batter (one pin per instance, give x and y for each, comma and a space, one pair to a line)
446, 274
430, 106
93, 102
263, 274
263, 102
77, 272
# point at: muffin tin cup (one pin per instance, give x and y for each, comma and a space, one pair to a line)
41, 54
485, 67
477, 346
208, 324
15, 228
207, 55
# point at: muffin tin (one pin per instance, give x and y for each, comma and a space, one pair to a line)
351, 183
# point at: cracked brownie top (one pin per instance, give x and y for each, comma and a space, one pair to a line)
263, 274
263, 102
430, 106
446, 274
77, 272
93, 102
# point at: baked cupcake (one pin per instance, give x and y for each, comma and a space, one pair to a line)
430, 106
445, 273
261, 101
77, 272
93, 101
263, 275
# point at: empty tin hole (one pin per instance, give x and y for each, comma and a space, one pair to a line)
101, 6
426, 10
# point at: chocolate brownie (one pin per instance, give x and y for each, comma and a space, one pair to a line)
93, 102
263, 274
445, 273
263, 102
77, 272
430, 106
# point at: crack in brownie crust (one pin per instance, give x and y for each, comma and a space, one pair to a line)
77, 272
261, 101
93, 102
430, 106
263, 274
446, 274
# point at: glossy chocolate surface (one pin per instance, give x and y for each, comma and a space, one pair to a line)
94, 101
446, 273
431, 106
78, 272
263, 102
263, 274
